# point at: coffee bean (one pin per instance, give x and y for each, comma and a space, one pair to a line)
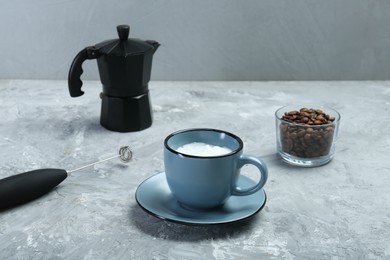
304, 120
291, 113
307, 133
301, 132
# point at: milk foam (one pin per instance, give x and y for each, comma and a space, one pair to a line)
203, 149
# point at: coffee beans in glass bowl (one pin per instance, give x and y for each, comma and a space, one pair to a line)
306, 135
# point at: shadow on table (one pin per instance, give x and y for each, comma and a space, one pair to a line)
159, 228
88, 124
66, 128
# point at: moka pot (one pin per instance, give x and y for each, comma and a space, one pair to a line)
125, 66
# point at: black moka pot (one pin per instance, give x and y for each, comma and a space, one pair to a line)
125, 66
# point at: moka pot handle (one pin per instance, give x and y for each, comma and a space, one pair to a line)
75, 71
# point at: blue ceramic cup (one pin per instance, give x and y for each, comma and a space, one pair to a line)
204, 182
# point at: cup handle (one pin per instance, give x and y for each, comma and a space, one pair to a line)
245, 159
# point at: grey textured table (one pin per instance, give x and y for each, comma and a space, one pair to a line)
340, 210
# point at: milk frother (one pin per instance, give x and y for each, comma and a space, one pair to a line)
27, 186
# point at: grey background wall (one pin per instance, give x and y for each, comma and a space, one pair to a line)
204, 40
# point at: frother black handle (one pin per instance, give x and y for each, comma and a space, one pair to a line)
75, 71
27, 186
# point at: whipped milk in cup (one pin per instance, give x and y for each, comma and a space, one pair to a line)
202, 167
203, 149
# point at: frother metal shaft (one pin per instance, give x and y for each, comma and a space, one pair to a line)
125, 154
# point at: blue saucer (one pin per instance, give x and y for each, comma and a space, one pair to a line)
154, 196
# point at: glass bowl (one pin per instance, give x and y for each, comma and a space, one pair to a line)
306, 134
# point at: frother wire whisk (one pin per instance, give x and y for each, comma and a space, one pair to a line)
27, 186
